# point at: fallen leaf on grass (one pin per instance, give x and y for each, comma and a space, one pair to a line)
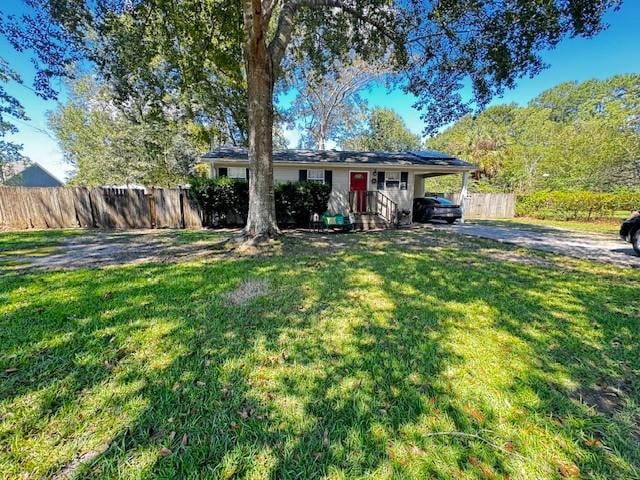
11, 370
485, 471
185, 440
165, 452
476, 414
593, 442
569, 470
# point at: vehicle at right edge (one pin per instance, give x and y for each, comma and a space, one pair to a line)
630, 231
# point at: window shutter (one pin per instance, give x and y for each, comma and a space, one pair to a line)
302, 175
328, 177
222, 172
404, 180
380, 180
247, 174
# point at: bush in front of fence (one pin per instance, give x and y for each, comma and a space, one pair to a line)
576, 205
225, 201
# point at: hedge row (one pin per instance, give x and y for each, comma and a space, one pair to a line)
576, 205
226, 202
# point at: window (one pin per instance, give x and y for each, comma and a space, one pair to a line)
392, 180
239, 173
315, 175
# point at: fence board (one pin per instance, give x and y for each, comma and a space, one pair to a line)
82, 207
167, 208
192, 217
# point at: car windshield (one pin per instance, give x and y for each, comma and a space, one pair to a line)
444, 201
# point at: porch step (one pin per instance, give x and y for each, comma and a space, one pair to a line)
370, 221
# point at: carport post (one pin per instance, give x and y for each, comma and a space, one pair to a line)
463, 194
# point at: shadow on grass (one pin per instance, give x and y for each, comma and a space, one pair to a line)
399, 355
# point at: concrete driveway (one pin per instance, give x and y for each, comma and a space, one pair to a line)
601, 247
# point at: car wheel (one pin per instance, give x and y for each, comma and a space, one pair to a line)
635, 241
450, 220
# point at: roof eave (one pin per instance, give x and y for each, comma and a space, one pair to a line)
411, 166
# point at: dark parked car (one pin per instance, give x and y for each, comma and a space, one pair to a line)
430, 208
630, 231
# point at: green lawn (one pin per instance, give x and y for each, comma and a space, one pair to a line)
395, 355
595, 226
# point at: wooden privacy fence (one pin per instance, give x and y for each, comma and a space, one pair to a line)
71, 207
485, 205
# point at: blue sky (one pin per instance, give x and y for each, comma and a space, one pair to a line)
614, 51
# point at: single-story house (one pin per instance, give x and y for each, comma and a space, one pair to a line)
374, 186
33, 175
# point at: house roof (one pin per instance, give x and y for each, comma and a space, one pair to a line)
34, 176
416, 158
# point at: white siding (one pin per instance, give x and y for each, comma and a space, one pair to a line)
339, 200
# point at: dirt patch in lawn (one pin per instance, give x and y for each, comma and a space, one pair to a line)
246, 291
112, 248
605, 397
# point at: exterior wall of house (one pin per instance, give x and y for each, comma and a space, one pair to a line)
339, 200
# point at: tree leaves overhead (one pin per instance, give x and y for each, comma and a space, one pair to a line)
183, 55
489, 45
195, 47
10, 107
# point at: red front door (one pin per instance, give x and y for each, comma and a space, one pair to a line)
358, 185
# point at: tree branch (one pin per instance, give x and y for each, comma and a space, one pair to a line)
284, 30
268, 6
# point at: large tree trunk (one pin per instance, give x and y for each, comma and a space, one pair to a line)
261, 220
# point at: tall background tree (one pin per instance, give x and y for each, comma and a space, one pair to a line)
385, 131
434, 46
107, 146
575, 136
329, 107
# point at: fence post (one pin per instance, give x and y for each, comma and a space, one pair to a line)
463, 195
183, 223
152, 207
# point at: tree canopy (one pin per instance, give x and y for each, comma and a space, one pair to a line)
107, 147
575, 136
330, 107
384, 131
